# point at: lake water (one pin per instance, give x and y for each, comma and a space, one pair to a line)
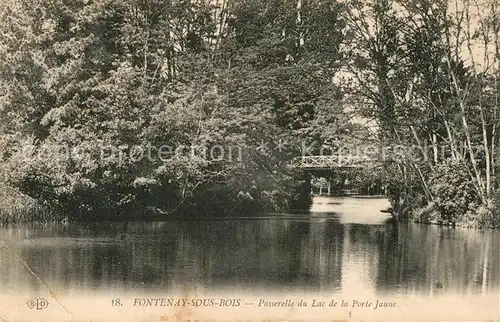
344, 246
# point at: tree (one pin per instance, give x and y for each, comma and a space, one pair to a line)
420, 58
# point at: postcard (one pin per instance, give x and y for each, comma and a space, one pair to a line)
249, 160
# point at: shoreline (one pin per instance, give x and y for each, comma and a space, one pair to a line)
17, 208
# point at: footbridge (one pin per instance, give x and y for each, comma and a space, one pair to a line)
335, 170
330, 162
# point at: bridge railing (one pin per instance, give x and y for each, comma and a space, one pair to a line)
332, 161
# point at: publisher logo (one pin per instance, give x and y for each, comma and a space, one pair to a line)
37, 303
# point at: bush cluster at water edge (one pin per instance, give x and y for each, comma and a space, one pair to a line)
16, 207
453, 199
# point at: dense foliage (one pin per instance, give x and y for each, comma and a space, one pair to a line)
454, 191
116, 108
111, 109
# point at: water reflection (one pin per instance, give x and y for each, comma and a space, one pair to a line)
325, 252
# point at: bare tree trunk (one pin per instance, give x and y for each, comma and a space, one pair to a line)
299, 23
146, 41
453, 144
496, 70
221, 24
421, 148
427, 191
434, 147
483, 29
465, 125
486, 154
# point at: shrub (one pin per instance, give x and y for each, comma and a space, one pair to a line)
404, 196
455, 195
16, 207
427, 214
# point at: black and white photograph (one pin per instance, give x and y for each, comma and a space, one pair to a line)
249, 160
